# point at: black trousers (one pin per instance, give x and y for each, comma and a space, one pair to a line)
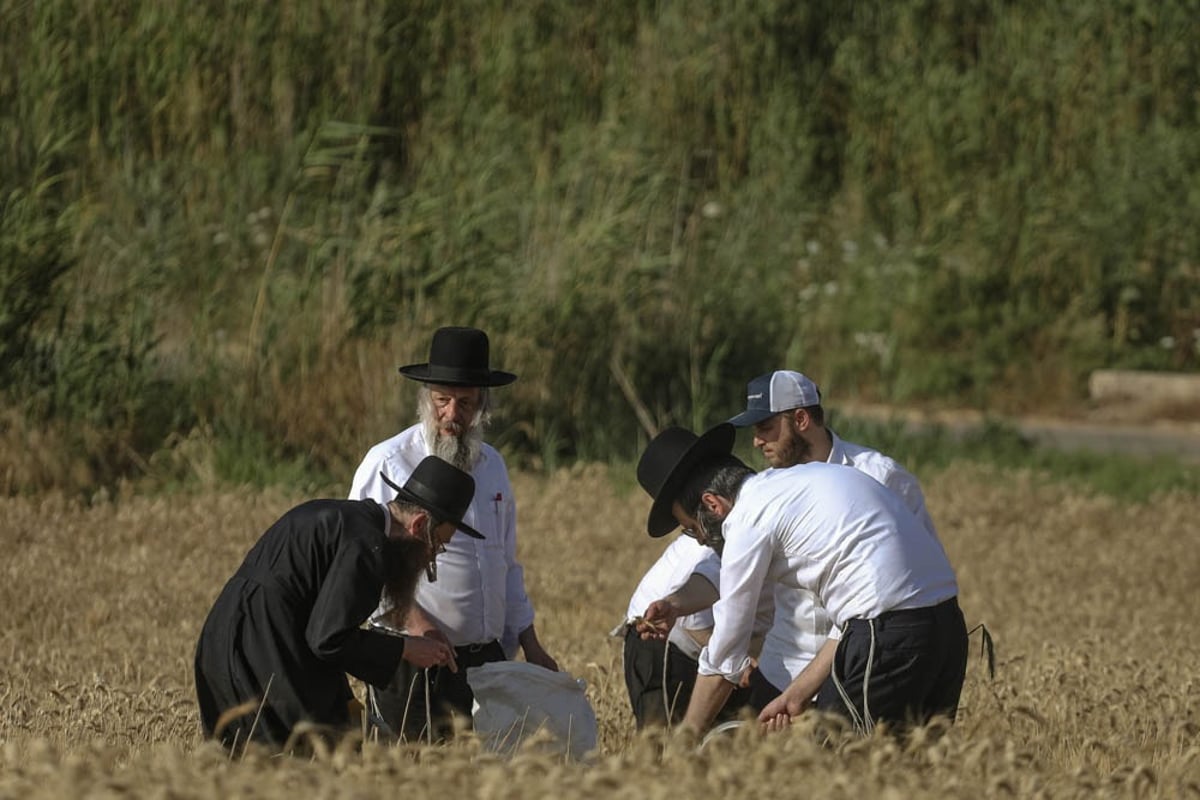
644, 680
762, 691
917, 672
400, 710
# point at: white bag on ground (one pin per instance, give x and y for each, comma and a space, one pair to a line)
515, 699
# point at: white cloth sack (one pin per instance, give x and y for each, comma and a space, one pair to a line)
516, 699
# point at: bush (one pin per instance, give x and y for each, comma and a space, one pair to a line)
239, 219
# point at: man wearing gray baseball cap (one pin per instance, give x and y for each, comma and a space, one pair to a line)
784, 409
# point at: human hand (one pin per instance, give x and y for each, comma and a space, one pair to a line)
536, 655
778, 714
425, 652
657, 621
418, 623
744, 680
434, 633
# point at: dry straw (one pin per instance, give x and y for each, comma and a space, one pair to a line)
1092, 601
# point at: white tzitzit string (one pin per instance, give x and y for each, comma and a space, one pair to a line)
862, 723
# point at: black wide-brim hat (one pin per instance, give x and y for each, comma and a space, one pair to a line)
442, 489
458, 357
669, 460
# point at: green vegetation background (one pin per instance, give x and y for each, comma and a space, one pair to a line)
223, 225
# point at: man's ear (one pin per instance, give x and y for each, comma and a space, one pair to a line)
715, 503
416, 524
802, 419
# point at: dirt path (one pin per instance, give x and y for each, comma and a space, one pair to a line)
1145, 439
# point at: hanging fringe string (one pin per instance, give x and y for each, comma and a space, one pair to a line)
987, 648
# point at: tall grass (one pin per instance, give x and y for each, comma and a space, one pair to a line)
256, 211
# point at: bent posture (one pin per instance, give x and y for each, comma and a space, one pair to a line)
285, 630
898, 650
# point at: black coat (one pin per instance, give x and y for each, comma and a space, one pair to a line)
291, 615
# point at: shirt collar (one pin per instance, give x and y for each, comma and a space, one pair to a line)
837, 450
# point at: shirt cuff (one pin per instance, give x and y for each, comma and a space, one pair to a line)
731, 669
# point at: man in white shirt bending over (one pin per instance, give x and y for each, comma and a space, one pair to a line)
898, 650
476, 600
784, 409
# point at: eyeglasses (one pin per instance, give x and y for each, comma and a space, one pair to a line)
698, 533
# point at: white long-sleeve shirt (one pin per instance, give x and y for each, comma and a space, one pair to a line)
885, 470
822, 531
802, 628
682, 557
479, 595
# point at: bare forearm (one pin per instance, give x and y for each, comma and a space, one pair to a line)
708, 698
797, 697
534, 652
809, 681
696, 594
528, 638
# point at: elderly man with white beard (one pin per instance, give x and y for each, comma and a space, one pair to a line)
477, 602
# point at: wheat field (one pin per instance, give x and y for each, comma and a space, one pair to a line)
1090, 603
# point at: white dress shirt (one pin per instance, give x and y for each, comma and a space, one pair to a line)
829, 530
479, 595
886, 471
799, 633
682, 557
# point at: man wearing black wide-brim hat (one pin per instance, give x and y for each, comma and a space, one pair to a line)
478, 602
285, 630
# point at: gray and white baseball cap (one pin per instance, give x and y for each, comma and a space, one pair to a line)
774, 392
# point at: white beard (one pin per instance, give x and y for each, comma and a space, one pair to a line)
463, 450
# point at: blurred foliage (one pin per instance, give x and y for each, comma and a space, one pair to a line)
239, 218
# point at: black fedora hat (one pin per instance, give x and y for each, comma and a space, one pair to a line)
668, 461
440, 488
458, 357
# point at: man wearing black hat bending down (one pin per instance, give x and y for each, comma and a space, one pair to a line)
285, 630
899, 647
478, 603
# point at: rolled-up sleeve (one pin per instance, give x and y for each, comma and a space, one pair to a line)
744, 567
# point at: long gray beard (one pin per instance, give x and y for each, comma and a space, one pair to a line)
462, 451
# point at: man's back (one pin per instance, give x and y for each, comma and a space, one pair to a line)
837, 532
887, 471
